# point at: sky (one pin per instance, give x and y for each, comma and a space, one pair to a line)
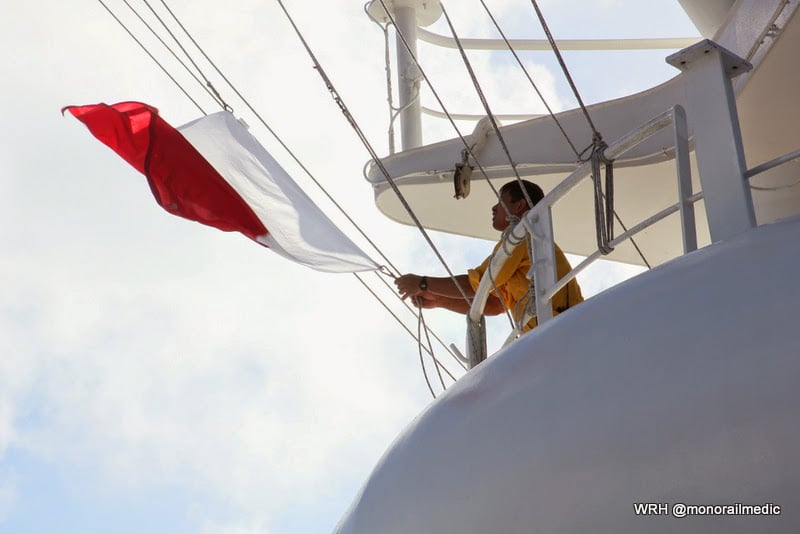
160, 376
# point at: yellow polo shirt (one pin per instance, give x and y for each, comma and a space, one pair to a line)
512, 283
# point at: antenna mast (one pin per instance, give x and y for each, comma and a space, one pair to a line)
407, 15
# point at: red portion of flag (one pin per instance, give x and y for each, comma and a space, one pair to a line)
181, 179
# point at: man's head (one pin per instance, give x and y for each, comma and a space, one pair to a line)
513, 199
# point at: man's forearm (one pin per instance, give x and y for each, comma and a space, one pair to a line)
446, 287
410, 285
455, 304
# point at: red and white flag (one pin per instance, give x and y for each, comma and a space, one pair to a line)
214, 172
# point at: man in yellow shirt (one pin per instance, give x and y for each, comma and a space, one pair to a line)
511, 285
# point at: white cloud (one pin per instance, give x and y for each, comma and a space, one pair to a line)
8, 495
142, 352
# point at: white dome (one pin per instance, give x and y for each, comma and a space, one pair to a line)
679, 386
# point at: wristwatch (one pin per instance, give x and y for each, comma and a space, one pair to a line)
423, 283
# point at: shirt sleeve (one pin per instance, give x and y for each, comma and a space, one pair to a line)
511, 280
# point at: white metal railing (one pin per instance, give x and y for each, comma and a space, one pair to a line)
538, 223
478, 116
661, 43
590, 45
780, 160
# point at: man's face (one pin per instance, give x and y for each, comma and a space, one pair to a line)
499, 220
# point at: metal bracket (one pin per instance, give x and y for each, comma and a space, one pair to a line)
462, 174
731, 63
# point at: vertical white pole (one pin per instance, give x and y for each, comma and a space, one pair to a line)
688, 226
707, 72
543, 270
408, 77
476, 341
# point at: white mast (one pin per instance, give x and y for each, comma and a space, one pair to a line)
407, 15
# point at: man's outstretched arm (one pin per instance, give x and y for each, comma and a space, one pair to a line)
443, 293
412, 285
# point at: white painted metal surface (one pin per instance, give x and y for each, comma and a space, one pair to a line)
407, 15
408, 77
563, 44
707, 69
625, 398
678, 386
538, 222
707, 15
766, 100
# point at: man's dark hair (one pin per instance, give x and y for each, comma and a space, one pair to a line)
514, 190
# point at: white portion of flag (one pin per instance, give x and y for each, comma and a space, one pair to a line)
297, 228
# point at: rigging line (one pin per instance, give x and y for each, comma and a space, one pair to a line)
420, 322
530, 79
414, 313
435, 93
399, 321
564, 67
468, 147
169, 49
631, 239
500, 138
513, 221
280, 141
219, 98
387, 60
204, 113
486, 107
422, 362
343, 107
596, 135
132, 36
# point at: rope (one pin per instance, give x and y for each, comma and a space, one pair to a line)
439, 99
420, 322
486, 107
399, 321
414, 312
468, 147
394, 112
513, 221
604, 217
564, 68
530, 79
146, 51
384, 270
387, 60
633, 241
603, 203
280, 141
346, 112
210, 86
171, 51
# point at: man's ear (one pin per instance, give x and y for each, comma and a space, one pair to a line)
520, 207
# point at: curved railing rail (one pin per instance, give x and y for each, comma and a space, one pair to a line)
538, 224
660, 43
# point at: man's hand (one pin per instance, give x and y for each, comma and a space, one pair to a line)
408, 285
426, 300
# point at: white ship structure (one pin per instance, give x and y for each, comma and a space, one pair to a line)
677, 387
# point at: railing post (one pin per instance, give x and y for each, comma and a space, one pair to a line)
539, 222
688, 226
476, 341
707, 71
